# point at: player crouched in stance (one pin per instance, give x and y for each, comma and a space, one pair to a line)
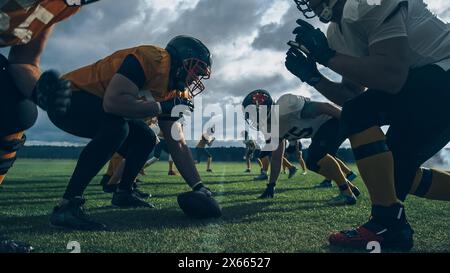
300, 118
382, 47
25, 27
108, 108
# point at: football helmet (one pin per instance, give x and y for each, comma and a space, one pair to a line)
325, 15
257, 98
190, 64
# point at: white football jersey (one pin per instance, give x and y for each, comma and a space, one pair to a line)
365, 23
291, 124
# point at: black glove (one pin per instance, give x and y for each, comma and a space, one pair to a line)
201, 188
269, 192
313, 43
52, 93
168, 105
305, 69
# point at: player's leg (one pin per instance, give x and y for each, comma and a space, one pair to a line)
321, 160
86, 118
172, 171
17, 114
361, 120
264, 156
291, 168
138, 145
209, 157
302, 162
156, 153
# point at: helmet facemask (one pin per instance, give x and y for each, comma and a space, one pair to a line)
194, 71
325, 15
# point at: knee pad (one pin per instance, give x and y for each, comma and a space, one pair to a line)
8, 148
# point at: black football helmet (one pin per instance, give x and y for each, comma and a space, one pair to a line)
257, 98
190, 64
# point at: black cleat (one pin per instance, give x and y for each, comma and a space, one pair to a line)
129, 200
324, 184
140, 194
72, 216
12, 246
269, 192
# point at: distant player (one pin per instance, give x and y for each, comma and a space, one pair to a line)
207, 139
294, 147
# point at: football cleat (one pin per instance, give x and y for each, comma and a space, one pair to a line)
342, 200
11, 246
172, 173
304, 173
209, 170
72, 216
324, 184
269, 192
395, 233
261, 177
248, 171
109, 188
292, 172
129, 200
139, 193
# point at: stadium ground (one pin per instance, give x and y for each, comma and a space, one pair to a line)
296, 220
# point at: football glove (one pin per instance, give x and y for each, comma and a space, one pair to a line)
269, 192
303, 68
52, 93
313, 42
169, 105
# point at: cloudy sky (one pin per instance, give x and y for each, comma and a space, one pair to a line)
247, 38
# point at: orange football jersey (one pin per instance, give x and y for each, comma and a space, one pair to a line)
23, 20
154, 61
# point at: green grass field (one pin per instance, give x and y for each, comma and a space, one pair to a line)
296, 220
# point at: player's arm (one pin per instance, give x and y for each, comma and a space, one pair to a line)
122, 94
24, 62
276, 162
339, 93
181, 154
314, 109
386, 68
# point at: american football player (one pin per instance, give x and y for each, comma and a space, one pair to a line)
207, 139
107, 107
301, 118
250, 148
25, 27
400, 52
